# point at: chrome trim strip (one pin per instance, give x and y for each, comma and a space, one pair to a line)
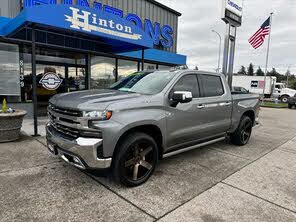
193, 147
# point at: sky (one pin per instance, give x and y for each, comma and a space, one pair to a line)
201, 45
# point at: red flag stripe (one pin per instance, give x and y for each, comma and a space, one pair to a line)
258, 38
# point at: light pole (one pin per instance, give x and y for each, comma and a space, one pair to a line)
218, 70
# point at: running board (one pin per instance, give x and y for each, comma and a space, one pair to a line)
193, 147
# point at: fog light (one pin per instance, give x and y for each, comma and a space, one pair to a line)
76, 160
51, 148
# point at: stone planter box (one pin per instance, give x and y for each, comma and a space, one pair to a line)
10, 125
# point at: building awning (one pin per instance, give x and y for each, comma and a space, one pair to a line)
116, 34
158, 56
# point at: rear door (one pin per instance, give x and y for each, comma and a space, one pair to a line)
216, 102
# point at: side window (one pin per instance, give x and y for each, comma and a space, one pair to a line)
187, 83
212, 85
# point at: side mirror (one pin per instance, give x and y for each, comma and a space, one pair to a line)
182, 97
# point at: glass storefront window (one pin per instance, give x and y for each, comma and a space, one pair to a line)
126, 67
10, 72
149, 66
161, 67
76, 79
103, 72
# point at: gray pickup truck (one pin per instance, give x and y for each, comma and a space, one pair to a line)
145, 117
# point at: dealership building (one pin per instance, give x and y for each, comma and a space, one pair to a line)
54, 46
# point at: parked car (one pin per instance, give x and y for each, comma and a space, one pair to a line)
153, 115
292, 102
239, 90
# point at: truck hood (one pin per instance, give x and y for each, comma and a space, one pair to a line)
91, 99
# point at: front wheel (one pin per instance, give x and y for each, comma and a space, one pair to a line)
243, 133
290, 106
284, 99
135, 160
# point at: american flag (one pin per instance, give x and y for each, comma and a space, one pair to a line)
258, 38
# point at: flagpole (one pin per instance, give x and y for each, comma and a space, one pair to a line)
267, 54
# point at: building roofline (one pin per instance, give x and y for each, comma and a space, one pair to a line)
165, 7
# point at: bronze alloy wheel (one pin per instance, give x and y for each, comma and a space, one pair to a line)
139, 161
246, 132
243, 133
136, 159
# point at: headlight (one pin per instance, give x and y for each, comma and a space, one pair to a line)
98, 115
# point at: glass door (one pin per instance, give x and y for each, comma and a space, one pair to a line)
51, 80
76, 78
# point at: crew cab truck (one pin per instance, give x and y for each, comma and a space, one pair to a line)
145, 117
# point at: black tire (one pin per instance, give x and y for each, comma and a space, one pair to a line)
284, 98
243, 133
135, 160
290, 106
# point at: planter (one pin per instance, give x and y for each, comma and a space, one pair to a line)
10, 125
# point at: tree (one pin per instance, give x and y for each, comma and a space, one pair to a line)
259, 72
279, 77
242, 71
273, 72
288, 74
293, 85
250, 70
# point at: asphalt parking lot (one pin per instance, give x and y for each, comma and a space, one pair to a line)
220, 182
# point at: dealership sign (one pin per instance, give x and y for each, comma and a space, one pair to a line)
232, 11
160, 35
109, 28
89, 22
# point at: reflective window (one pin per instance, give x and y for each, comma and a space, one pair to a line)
149, 66
212, 85
10, 72
103, 72
144, 82
161, 67
187, 83
126, 67
76, 79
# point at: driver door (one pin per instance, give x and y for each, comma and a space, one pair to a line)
185, 122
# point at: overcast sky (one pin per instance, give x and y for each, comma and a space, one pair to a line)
197, 41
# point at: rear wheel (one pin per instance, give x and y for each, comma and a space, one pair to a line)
136, 160
243, 133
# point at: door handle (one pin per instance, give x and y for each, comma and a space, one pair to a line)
201, 106
227, 103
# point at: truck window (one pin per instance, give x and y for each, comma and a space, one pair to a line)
187, 83
145, 83
212, 85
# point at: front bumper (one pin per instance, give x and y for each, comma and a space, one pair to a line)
81, 153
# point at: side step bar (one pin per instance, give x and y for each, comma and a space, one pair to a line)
193, 147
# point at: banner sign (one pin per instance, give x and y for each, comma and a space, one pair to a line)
161, 35
113, 29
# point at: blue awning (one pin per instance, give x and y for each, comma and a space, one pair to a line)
122, 35
158, 56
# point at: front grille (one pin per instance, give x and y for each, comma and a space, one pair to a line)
67, 112
67, 131
67, 123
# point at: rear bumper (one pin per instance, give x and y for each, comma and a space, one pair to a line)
81, 153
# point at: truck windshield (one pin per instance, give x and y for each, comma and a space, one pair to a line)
144, 82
